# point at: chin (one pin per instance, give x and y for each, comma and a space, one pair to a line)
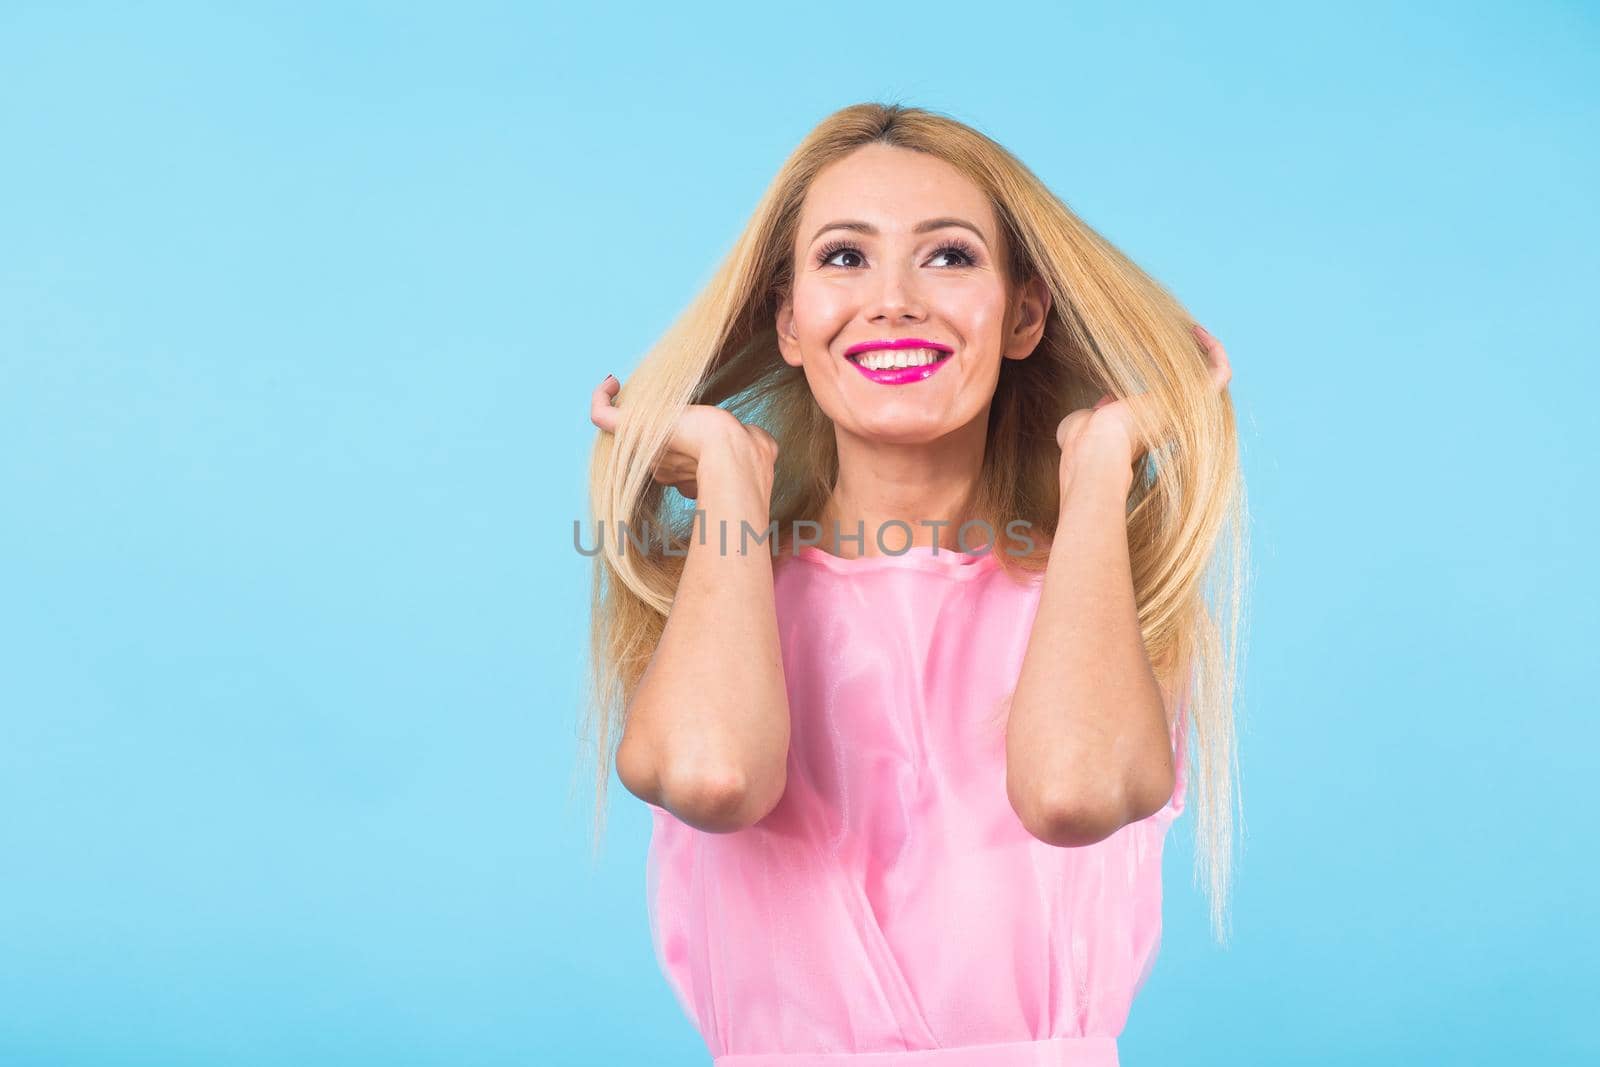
901, 431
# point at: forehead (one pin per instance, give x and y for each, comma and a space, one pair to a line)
893, 189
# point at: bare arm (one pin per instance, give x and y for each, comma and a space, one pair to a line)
1088, 749
1087, 744
707, 732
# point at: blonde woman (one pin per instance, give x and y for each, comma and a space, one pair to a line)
907, 660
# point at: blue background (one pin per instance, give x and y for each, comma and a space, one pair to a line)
300, 310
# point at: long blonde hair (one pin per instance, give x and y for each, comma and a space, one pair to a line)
1112, 328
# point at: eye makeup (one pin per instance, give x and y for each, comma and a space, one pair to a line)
843, 244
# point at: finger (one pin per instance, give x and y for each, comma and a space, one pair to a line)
1145, 419
601, 411
1216, 355
1103, 401
1067, 427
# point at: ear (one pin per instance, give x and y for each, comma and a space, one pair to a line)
1032, 312
788, 343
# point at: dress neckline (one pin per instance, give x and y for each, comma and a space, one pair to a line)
951, 561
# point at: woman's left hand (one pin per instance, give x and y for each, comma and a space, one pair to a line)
1109, 433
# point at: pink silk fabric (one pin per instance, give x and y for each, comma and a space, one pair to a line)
892, 910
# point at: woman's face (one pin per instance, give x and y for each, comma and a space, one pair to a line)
894, 245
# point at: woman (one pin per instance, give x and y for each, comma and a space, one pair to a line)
911, 761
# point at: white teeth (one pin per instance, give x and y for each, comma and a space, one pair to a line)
882, 359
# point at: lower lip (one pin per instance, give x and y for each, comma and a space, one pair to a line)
900, 375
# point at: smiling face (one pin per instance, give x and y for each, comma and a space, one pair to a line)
895, 245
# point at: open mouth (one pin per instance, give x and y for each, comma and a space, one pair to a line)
882, 359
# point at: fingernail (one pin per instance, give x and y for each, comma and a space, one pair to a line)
611, 377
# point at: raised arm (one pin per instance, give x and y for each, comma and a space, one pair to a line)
1086, 744
707, 730
1088, 748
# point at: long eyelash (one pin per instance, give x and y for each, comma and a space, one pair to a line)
954, 244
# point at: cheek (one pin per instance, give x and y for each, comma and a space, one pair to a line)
820, 312
981, 315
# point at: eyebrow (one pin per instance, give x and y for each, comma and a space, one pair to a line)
921, 227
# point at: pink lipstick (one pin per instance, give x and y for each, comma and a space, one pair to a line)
926, 358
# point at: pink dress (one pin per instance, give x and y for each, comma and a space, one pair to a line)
892, 910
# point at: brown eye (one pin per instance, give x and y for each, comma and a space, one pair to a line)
962, 249
833, 248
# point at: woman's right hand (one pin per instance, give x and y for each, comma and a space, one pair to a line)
703, 432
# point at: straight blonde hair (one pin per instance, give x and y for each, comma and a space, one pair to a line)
1112, 329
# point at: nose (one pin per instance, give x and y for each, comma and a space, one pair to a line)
898, 298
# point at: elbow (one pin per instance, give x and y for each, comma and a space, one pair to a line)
722, 801
1066, 821
1071, 827
714, 795
717, 794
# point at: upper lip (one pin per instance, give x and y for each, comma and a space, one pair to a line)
897, 342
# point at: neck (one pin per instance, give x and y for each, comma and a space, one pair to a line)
922, 485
